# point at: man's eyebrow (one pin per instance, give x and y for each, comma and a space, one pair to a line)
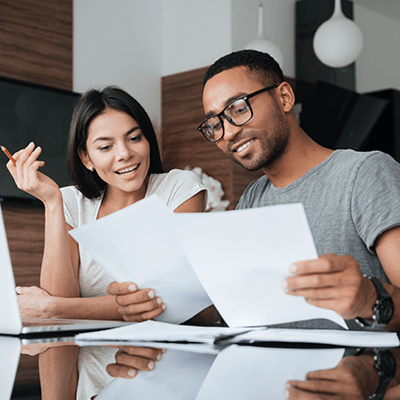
104, 138
227, 101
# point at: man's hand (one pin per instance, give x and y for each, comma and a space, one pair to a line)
129, 360
353, 378
333, 282
136, 305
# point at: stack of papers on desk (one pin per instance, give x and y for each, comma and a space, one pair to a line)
155, 333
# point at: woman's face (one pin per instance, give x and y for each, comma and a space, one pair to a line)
118, 151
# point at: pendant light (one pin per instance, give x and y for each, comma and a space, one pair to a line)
338, 41
260, 43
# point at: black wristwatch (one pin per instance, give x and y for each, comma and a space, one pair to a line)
385, 365
383, 308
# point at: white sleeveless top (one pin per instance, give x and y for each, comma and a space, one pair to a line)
173, 188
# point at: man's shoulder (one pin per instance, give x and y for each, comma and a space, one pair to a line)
358, 157
254, 190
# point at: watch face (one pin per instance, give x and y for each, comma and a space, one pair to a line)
386, 364
385, 310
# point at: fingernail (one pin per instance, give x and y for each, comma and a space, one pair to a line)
132, 373
151, 365
159, 356
163, 306
37, 148
286, 393
151, 293
292, 268
18, 289
284, 284
132, 287
159, 301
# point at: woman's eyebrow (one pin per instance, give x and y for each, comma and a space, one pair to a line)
104, 138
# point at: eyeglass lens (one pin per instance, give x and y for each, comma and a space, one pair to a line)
237, 113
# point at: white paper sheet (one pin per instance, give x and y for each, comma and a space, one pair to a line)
261, 373
178, 376
242, 257
138, 244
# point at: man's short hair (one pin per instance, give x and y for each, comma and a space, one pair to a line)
262, 64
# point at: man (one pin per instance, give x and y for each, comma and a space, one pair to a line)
351, 199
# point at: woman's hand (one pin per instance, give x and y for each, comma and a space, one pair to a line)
28, 178
136, 305
129, 360
33, 302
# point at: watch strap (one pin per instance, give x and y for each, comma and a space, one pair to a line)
385, 365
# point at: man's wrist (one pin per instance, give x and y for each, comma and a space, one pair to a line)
382, 309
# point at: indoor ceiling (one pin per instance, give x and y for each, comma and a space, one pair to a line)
390, 8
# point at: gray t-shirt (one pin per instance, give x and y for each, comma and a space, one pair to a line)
350, 199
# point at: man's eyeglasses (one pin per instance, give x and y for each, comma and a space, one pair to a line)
237, 113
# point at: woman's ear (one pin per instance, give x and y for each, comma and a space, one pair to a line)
286, 96
84, 156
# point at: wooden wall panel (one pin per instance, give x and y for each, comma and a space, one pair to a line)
36, 47
36, 41
25, 235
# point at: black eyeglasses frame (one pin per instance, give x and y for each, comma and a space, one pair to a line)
229, 119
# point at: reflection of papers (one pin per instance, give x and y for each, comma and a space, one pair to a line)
179, 375
242, 257
261, 373
138, 244
153, 331
10, 348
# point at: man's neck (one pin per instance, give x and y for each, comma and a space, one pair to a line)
301, 155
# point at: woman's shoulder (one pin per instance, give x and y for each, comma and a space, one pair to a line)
175, 186
174, 176
72, 196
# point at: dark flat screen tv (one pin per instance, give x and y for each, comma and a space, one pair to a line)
41, 114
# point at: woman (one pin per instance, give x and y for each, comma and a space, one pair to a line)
113, 162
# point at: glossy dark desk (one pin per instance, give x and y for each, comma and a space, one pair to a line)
261, 371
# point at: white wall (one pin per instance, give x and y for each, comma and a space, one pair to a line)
194, 33
119, 43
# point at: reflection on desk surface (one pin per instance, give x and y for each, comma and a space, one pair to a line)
187, 372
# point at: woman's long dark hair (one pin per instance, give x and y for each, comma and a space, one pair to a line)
90, 105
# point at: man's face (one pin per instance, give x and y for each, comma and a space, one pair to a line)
263, 139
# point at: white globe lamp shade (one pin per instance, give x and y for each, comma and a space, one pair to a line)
260, 43
266, 46
338, 41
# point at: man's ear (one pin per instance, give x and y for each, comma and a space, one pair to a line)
84, 156
286, 96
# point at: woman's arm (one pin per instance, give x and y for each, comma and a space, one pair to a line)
59, 273
35, 302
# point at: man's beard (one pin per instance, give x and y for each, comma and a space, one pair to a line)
272, 148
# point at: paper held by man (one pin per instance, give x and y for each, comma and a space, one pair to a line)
236, 260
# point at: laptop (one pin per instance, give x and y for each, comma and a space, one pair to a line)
10, 318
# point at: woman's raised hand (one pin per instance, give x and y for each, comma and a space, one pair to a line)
28, 178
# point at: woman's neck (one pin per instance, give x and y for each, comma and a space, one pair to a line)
115, 199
